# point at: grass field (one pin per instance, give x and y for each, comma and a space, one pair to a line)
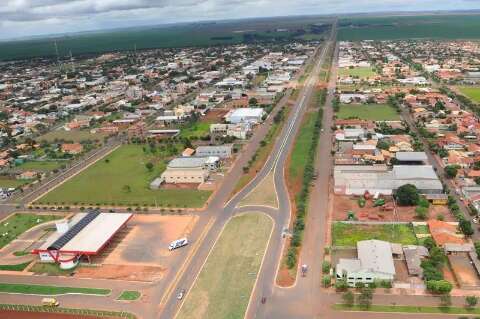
40, 166
17, 267
17, 224
51, 269
413, 27
11, 183
472, 92
129, 295
344, 234
73, 136
198, 129
373, 112
360, 72
63, 312
50, 290
298, 158
223, 288
410, 309
122, 179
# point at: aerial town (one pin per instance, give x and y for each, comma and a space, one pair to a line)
299, 173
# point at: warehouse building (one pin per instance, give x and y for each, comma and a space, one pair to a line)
222, 151
188, 170
245, 115
411, 158
84, 235
357, 179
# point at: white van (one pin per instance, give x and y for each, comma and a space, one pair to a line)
178, 243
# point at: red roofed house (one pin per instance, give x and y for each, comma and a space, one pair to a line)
73, 148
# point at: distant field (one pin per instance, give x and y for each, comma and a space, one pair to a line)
374, 112
349, 234
73, 136
223, 288
122, 179
11, 183
193, 34
472, 92
40, 166
414, 27
361, 72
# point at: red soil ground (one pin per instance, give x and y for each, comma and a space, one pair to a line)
5, 314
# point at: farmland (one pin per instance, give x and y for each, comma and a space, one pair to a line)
472, 92
374, 112
225, 283
410, 27
345, 234
167, 36
123, 179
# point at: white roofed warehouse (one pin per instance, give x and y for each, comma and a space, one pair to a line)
245, 115
85, 235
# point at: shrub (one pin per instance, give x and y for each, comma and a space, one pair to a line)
326, 281
439, 286
348, 298
291, 257
407, 195
341, 285
326, 267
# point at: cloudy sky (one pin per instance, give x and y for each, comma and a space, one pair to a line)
20, 18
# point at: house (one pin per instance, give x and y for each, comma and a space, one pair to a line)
245, 115
413, 258
374, 263
72, 148
240, 130
27, 175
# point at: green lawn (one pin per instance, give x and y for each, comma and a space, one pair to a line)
50, 269
50, 290
373, 112
298, 158
198, 129
73, 136
225, 283
18, 223
472, 92
410, 309
129, 295
360, 72
122, 179
345, 234
17, 267
11, 183
40, 166
421, 229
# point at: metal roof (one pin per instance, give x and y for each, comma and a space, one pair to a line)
376, 255
72, 232
411, 156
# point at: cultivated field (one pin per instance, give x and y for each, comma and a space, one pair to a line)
360, 72
225, 283
345, 234
123, 179
374, 112
472, 92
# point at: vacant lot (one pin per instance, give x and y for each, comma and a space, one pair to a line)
345, 234
72, 136
195, 130
11, 183
44, 166
17, 224
360, 72
472, 92
225, 283
373, 112
123, 179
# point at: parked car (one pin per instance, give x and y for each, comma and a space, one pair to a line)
178, 243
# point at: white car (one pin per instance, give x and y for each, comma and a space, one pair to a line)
178, 243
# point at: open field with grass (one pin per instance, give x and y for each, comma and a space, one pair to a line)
223, 288
11, 183
374, 112
73, 136
414, 27
121, 178
195, 130
45, 166
298, 158
360, 72
129, 295
17, 267
50, 290
345, 234
17, 224
472, 92
50, 269
410, 309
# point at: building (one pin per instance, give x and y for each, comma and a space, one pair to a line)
240, 130
357, 179
245, 115
85, 235
73, 148
374, 263
413, 258
189, 170
411, 158
222, 151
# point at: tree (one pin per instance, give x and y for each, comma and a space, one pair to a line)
348, 298
451, 171
466, 227
149, 166
383, 145
421, 212
341, 285
407, 195
253, 101
471, 301
445, 301
439, 286
365, 297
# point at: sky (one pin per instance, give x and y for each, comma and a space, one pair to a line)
24, 18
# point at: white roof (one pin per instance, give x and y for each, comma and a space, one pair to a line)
246, 112
376, 255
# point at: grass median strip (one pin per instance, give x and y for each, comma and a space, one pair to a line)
409, 309
29, 289
129, 295
223, 288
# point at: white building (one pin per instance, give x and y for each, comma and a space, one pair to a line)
245, 115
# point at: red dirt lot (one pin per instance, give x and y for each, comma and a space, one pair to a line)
6, 314
343, 204
215, 115
120, 272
